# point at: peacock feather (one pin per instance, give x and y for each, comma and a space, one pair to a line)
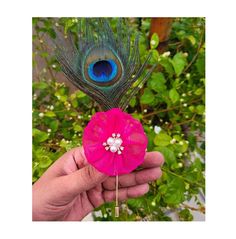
104, 63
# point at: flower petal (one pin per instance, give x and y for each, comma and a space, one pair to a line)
101, 126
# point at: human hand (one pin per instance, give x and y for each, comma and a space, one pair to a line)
71, 188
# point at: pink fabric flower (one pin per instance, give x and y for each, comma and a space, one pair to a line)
114, 142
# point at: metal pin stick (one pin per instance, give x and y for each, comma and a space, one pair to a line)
117, 202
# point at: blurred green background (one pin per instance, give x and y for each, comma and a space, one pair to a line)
171, 107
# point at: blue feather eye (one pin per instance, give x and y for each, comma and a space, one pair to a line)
102, 66
102, 71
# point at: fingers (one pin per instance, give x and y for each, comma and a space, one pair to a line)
80, 180
152, 163
73, 181
135, 178
125, 193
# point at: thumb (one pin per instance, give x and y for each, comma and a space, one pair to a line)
82, 180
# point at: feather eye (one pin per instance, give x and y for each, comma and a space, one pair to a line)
104, 64
102, 67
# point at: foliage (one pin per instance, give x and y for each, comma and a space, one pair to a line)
172, 99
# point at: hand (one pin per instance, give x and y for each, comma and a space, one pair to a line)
71, 188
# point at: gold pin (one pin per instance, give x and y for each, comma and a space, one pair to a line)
117, 209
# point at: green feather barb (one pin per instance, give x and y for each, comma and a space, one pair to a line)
103, 64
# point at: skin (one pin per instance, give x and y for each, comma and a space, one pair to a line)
71, 188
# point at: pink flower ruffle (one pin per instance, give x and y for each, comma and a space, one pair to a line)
107, 158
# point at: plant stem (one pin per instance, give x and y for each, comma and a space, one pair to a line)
200, 209
179, 176
168, 109
186, 121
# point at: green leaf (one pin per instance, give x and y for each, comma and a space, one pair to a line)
162, 189
200, 64
66, 133
80, 94
200, 109
185, 215
40, 85
68, 24
74, 103
136, 203
44, 54
192, 108
35, 20
60, 96
77, 127
183, 147
168, 154
175, 191
142, 44
34, 179
45, 161
73, 113
157, 82
154, 41
177, 137
63, 90
39, 136
154, 56
192, 39
179, 61
162, 139
50, 114
192, 140
199, 91
166, 63
194, 172
132, 102
54, 125
137, 116
147, 97
174, 95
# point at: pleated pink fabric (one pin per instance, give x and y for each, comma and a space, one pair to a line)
114, 142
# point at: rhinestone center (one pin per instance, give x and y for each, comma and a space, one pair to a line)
114, 144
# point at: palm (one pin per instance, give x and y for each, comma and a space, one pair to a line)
82, 204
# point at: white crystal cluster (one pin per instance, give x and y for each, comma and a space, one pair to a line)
114, 144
